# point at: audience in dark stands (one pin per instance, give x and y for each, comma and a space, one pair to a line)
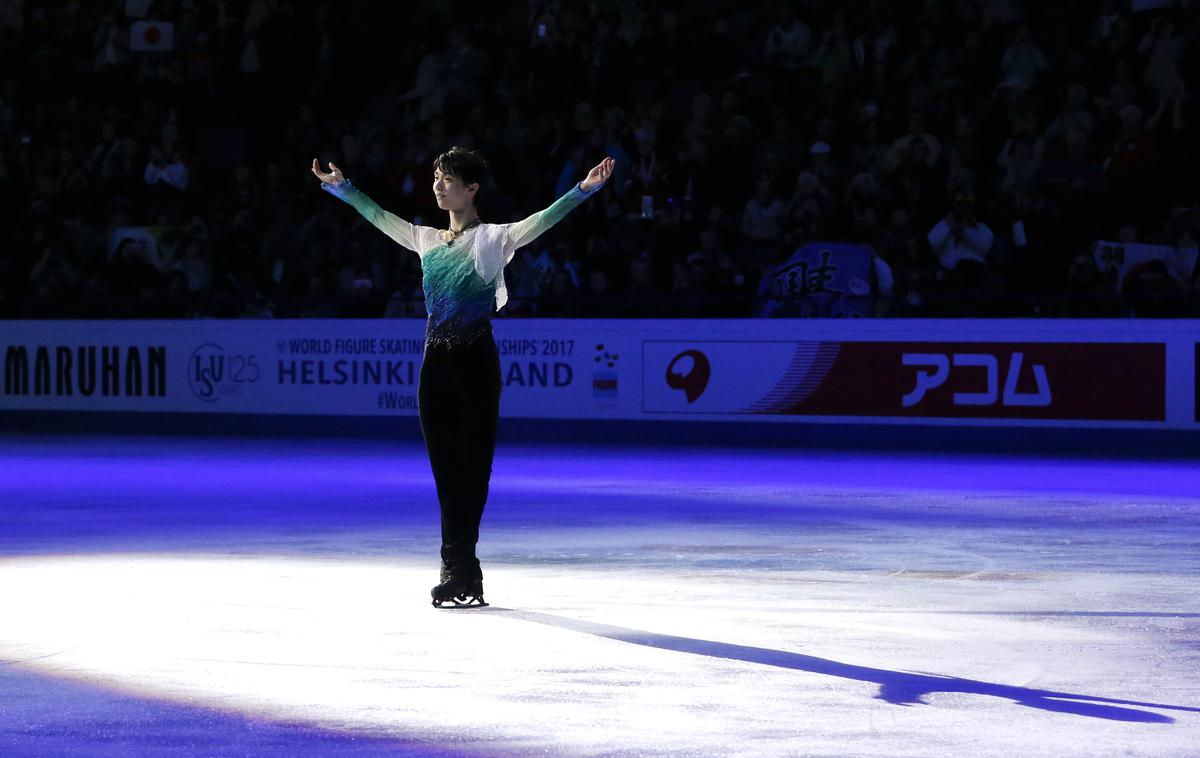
979, 149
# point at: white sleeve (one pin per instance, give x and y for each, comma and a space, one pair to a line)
521, 233
491, 257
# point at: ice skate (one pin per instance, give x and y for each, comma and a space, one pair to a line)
463, 590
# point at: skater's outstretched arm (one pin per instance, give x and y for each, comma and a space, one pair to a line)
521, 233
415, 238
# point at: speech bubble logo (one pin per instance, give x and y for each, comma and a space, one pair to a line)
689, 371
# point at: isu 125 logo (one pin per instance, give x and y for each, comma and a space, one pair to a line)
212, 373
933, 370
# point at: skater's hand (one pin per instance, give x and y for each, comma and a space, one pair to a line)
333, 177
597, 176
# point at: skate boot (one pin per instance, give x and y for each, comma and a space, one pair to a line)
461, 588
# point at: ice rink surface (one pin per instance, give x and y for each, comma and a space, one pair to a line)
174, 596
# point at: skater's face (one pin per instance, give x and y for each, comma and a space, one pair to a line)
451, 193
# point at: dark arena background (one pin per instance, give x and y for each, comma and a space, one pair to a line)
851, 409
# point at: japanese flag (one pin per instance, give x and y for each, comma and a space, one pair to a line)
152, 35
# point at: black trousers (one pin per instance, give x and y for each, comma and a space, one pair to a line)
458, 398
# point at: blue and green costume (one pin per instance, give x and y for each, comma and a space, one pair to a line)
458, 392
464, 280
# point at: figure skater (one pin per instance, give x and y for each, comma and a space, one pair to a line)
458, 391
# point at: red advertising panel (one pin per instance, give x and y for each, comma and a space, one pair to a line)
1013, 380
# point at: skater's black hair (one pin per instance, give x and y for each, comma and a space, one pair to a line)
469, 166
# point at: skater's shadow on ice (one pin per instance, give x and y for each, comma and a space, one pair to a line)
898, 687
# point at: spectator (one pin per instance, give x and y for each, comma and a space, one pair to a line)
1163, 48
131, 274
597, 298
869, 153
874, 45
691, 288
960, 236
1131, 160
903, 147
915, 183
1023, 63
727, 276
710, 245
834, 56
560, 300
1020, 164
643, 299
426, 94
762, 223
168, 169
824, 166
1105, 23
648, 174
781, 154
788, 42
1073, 114
1026, 247
960, 177
196, 267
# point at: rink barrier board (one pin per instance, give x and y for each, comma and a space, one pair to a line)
940, 439
996, 373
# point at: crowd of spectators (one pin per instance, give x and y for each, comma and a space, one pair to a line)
154, 155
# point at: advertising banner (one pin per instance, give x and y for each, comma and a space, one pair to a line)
1047, 380
340, 367
957, 372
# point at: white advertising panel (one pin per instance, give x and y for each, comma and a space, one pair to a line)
1094, 373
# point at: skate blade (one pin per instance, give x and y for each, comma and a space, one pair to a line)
456, 604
